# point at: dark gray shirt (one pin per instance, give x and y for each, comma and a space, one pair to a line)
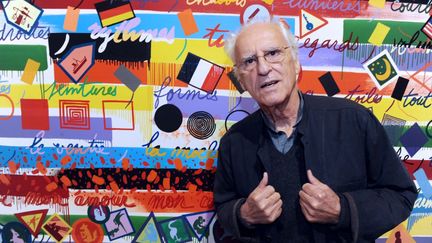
281, 141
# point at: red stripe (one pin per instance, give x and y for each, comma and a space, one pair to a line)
428, 30
115, 11
21, 185
212, 78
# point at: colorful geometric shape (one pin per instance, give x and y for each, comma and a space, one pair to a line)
123, 121
149, 231
118, 224
33, 220
413, 139
168, 118
310, 23
382, 69
84, 230
377, 3
200, 222
329, 84
127, 78
21, 14
400, 234
74, 114
57, 227
113, 12
15, 232
200, 73
78, 60
187, 22
30, 71
175, 230
71, 19
379, 34
34, 114
400, 88
423, 182
427, 28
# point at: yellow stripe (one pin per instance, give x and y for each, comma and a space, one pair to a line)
167, 53
122, 93
117, 18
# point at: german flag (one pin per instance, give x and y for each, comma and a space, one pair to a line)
115, 12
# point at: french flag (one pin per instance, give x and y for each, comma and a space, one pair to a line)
200, 73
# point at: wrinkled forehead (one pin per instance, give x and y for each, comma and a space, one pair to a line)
257, 38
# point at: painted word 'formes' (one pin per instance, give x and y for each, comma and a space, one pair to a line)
126, 32
171, 93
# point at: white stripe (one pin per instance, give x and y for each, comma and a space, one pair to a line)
428, 29
200, 73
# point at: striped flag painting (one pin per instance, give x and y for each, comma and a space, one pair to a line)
200, 73
113, 12
427, 28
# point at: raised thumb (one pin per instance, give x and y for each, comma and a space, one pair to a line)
264, 180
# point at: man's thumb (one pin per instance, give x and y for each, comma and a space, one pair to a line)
264, 180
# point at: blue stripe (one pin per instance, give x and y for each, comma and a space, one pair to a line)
156, 21
137, 157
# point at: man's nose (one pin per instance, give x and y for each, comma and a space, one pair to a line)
263, 66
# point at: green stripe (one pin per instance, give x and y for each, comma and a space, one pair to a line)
362, 29
14, 57
137, 221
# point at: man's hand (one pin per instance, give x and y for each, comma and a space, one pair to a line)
263, 205
319, 203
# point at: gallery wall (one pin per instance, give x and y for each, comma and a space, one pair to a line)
111, 112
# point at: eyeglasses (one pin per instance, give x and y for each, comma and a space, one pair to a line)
272, 56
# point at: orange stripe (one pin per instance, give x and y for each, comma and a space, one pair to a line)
115, 11
346, 81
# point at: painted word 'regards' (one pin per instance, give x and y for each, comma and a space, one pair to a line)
326, 44
127, 34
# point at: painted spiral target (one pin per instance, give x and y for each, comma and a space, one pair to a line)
201, 125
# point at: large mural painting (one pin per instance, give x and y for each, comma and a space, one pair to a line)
111, 111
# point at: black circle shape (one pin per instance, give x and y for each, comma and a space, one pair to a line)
201, 125
168, 118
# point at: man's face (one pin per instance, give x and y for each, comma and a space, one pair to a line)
270, 84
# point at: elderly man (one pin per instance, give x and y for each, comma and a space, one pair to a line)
303, 168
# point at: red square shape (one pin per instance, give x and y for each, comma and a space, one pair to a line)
34, 114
